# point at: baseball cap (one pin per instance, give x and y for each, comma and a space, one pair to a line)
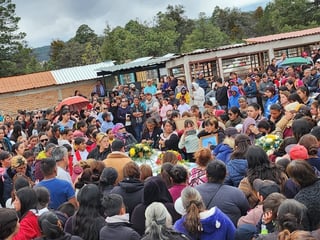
117, 144
297, 152
265, 187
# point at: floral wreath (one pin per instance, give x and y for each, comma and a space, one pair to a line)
177, 154
140, 151
269, 143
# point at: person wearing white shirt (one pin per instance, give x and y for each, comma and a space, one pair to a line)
183, 106
60, 155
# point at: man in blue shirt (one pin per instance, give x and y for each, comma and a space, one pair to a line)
150, 88
60, 190
250, 88
202, 82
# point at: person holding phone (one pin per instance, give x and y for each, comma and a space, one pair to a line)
189, 140
169, 139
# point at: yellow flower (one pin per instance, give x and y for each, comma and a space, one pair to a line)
273, 137
146, 149
132, 152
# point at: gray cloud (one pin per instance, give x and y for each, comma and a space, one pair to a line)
47, 20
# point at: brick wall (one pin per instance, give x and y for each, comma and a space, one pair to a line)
42, 98
85, 89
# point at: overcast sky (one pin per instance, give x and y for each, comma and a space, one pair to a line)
47, 20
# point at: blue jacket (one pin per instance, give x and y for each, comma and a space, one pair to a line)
222, 152
216, 226
250, 89
236, 171
269, 102
202, 83
233, 99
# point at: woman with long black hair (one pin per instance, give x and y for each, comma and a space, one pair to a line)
88, 220
259, 166
238, 165
51, 228
25, 204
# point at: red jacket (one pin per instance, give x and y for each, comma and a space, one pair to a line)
29, 227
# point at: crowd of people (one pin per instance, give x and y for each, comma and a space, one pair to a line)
68, 174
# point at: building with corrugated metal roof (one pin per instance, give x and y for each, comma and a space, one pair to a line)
45, 89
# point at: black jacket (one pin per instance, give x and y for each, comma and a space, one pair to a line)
118, 230
169, 233
222, 96
131, 191
155, 190
155, 136
66, 236
97, 155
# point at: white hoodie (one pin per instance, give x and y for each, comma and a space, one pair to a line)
198, 95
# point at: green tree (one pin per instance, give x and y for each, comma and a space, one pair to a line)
182, 25
11, 41
135, 38
161, 38
85, 34
205, 35
115, 45
91, 54
285, 15
235, 23
70, 55
56, 47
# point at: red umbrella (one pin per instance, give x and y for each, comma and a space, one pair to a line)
75, 103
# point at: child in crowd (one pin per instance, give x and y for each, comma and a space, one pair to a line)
81, 152
117, 220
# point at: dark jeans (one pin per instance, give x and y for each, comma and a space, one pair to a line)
137, 128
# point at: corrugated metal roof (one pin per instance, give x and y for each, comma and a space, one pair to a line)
142, 59
169, 55
25, 82
281, 36
206, 50
81, 73
134, 64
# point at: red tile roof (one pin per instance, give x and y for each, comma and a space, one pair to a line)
281, 36
25, 82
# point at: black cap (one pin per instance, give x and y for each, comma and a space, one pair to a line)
117, 144
265, 187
